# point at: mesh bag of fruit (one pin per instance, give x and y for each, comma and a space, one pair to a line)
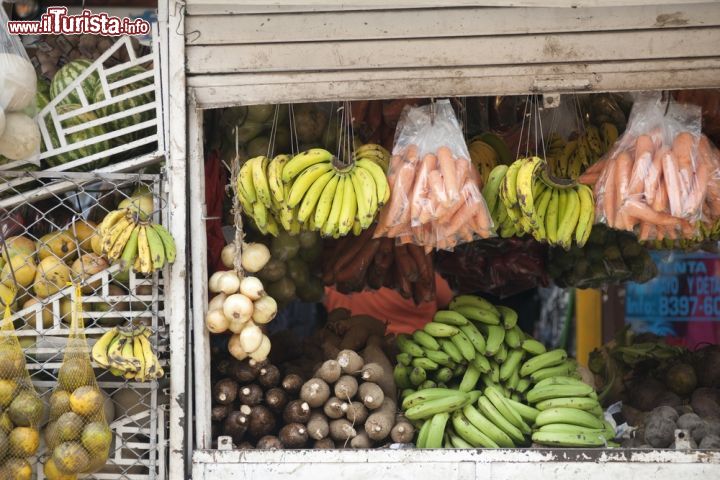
436, 200
77, 435
20, 406
19, 133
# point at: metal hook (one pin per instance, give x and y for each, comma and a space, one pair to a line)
668, 100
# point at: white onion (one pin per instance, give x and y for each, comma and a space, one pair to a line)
227, 256
238, 307
264, 310
237, 325
252, 288
235, 349
214, 281
217, 302
251, 338
254, 257
216, 321
229, 283
263, 350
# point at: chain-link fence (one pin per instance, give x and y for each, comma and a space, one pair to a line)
49, 240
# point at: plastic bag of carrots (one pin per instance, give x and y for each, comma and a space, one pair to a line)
436, 200
659, 179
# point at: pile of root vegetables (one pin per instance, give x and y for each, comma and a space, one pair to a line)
357, 263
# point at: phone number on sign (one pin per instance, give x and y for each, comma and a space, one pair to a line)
684, 306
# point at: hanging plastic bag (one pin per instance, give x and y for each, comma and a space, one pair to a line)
19, 132
21, 409
655, 179
77, 435
436, 200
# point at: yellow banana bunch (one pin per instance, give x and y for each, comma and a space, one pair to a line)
128, 353
523, 201
134, 242
310, 191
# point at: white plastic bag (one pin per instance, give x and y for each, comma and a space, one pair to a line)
436, 200
19, 133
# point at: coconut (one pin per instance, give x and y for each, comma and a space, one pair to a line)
681, 379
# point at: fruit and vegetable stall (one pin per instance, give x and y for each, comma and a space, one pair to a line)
339, 175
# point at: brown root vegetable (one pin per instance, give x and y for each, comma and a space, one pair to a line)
293, 435
357, 329
269, 442
660, 431
338, 314
261, 421
219, 412
689, 421
324, 444
372, 372
329, 349
341, 430
225, 391
707, 366
709, 426
257, 365
292, 383
315, 392
371, 395
374, 353
235, 425
269, 376
335, 408
403, 431
379, 424
665, 412
681, 379
246, 446
356, 413
346, 387
706, 402
296, 411
250, 394
350, 361
245, 409
361, 440
710, 442
276, 398
243, 372
329, 371
644, 394
318, 427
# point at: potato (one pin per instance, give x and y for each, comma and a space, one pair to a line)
665, 412
689, 421
710, 441
706, 402
660, 431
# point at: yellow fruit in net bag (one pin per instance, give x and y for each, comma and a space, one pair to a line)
86, 401
53, 473
23, 442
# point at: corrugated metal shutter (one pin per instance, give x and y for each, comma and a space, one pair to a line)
255, 54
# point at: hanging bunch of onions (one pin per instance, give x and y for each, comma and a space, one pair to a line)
240, 304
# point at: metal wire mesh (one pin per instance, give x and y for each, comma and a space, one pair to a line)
136, 410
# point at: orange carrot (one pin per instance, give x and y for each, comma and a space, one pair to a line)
623, 168
447, 168
638, 209
652, 179
609, 197
644, 149
437, 193
646, 229
588, 178
672, 184
682, 149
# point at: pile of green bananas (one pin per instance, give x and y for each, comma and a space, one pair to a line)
568, 158
127, 353
523, 201
310, 191
467, 377
145, 246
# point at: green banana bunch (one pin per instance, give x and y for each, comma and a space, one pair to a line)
522, 200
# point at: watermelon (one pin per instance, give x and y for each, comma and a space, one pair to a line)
67, 74
128, 103
76, 137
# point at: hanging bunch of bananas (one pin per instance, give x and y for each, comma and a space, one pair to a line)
128, 353
127, 236
311, 192
568, 159
522, 201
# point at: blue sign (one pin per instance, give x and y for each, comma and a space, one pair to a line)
686, 289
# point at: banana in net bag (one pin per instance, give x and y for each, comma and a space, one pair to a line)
20, 406
77, 435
